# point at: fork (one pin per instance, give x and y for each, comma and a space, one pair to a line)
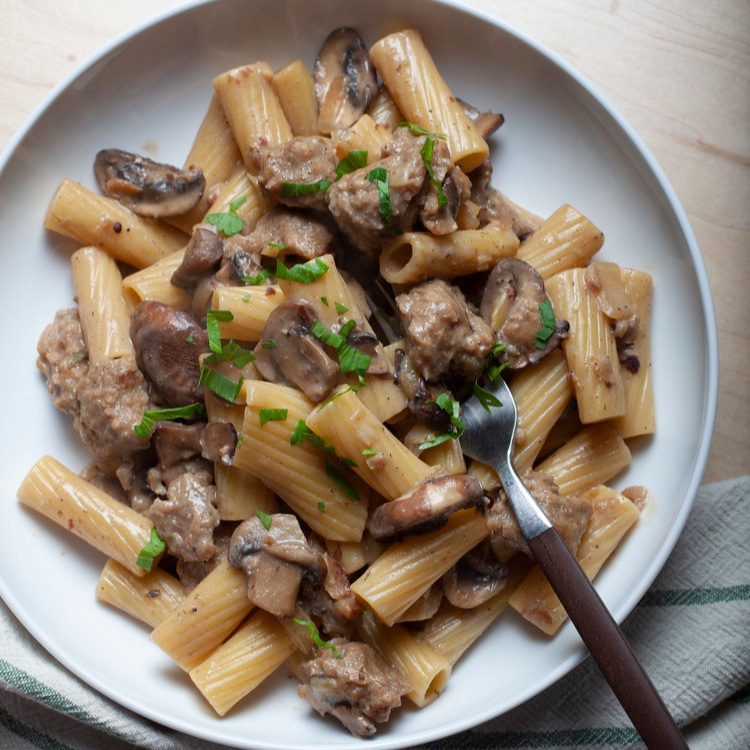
489, 436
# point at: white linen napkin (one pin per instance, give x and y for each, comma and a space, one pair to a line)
691, 631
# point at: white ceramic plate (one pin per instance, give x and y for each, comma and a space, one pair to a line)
561, 143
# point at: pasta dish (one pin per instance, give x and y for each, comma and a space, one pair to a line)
267, 359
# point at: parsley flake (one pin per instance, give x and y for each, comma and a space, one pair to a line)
228, 223
272, 415
302, 273
316, 639
355, 159
297, 189
150, 551
143, 429
549, 324
264, 518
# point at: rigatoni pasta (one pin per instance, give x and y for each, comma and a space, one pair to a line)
287, 397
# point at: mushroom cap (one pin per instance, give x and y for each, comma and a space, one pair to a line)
296, 358
202, 258
168, 344
345, 80
475, 578
426, 507
147, 187
510, 305
275, 560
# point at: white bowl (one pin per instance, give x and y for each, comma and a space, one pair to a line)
561, 143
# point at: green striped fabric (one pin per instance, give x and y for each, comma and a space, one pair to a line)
691, 631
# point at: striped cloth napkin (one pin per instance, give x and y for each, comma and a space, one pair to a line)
691, 632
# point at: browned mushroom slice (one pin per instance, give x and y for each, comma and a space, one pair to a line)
511, 306
475, 578
289, 354
426, 507
168, 344
148, 187
275, 560
219, 441
486, 122
345, 80
202, 258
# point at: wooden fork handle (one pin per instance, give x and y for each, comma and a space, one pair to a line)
606, 643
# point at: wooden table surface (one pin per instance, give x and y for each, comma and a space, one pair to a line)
676, 69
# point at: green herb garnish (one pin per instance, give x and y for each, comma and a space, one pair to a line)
379, 175
143, 429
316, 639
264, 518
302, 273
220, 384
228, 223
335, 475
350, 359
457, 427
257, 278
231, 352
272, 415
297, 189
213, 318
302, 433
421, 131
486, 399
151, 550
426, 152
549, 324
355, 159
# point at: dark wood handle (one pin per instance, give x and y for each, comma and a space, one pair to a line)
606, 643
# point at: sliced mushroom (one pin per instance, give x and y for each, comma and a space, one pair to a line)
511, 306
290, 354
345, 80
426, 507
605, 282
202, 258
168, 344
475, 578
486, 122
219, 441
275, 560
148, 187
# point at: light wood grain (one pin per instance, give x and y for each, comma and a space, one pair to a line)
676, 69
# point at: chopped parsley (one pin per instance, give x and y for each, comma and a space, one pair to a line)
228, 223
272, 415
151, 550
143, 429
334, 474
213, 318
457, 427
302, 273
355, 159
316, 639
426, 152
369, 452
297, 189
419, 130
220, 384
341, 309
264, 518
269, 344
302, 433
485, 397
548, 324
492, 367
231, 352
379, 175
350, 359
257, 278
